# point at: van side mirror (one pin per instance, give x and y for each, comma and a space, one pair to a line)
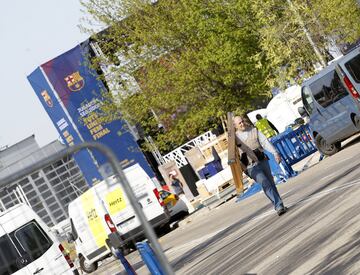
302, 111
70, 237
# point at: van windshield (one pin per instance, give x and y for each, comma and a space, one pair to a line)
22, 246
8, 256
328, 89
353, 66
34, 241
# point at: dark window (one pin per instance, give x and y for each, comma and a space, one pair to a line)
353, 66
64, 176
33, 239
39, 181
307, 99
58, 163
46, 194
8, 256
50, 200
51, 175
55, 181
47, 220
27, 187
328, 89
35, 175
54, 207
47, 169
38, 207
60, 219
43, 188
42, 213
61, 170
23, 181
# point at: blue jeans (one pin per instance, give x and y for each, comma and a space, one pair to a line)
261, 173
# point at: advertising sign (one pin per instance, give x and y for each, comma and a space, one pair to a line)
81, 94
63, 125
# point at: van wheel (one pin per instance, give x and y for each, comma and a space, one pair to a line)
88, 268
325, 148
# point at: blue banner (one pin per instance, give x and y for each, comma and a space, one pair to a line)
81, 93
63, 125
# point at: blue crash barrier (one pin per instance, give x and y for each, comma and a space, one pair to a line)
149, 258
128, 268
294, 145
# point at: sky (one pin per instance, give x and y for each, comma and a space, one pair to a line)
31, 33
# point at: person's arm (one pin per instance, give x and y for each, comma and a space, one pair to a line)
265, 143
180, 183
273, 127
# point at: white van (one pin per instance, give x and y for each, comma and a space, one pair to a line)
103, 220
328, 99
27, 246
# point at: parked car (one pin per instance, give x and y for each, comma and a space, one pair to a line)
174, 204
330, 102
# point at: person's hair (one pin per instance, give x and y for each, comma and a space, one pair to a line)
245, 119
258, 116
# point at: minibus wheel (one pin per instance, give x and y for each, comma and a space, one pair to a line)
326, 148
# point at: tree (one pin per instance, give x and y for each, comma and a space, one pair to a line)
281, 30
194, 61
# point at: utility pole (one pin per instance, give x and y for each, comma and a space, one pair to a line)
307, 34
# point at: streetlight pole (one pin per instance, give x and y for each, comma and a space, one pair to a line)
307, 34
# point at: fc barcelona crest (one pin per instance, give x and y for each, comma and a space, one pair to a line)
75, 82
47, 98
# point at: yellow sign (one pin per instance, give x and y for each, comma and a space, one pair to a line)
115, 201
94, 220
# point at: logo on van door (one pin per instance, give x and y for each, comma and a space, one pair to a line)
116, 201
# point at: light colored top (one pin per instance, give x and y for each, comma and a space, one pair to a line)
264, 142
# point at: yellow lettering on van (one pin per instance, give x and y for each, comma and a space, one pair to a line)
95, 223
115, 201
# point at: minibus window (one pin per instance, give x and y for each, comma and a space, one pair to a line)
328, 89
353, 66
307, 99
8, 256
33, 240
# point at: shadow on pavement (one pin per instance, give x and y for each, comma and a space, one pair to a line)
294, 230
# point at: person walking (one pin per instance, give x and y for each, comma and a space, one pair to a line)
178, 188
265, 127
252, 143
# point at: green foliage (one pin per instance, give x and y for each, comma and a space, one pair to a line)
195, 60
282, 25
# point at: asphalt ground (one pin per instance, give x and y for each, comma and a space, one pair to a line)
318, 235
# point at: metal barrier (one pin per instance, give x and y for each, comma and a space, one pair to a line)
149, 258
115, 165
294, 145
